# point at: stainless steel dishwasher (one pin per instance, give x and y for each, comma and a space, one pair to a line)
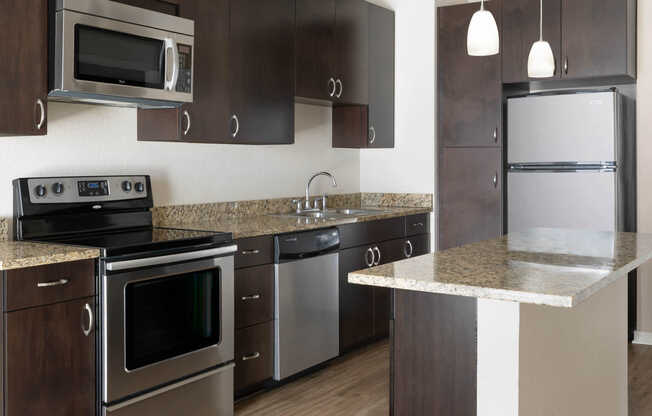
306, 317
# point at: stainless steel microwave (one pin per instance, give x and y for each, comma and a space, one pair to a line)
107, 52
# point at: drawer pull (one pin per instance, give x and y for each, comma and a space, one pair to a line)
251, 356
251, 297
87, 309
417, 224
249, 252
60, 282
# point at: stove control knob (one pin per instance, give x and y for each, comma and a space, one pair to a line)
57, 188
140, 187
126, 186
40, 190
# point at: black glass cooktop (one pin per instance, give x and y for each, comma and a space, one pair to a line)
148, 241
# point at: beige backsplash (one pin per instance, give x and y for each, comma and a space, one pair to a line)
180, 214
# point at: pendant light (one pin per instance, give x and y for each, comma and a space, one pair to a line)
541, 62
482, 38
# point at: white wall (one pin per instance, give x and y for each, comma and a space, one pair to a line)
410, 166
86, 139
644, 155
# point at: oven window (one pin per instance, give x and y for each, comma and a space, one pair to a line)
118, 58
171, 316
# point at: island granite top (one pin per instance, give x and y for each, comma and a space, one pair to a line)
554, 267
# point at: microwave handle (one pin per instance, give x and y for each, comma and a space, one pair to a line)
172, 83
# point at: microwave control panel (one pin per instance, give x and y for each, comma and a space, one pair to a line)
184, 82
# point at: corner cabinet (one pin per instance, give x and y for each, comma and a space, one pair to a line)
588, 41
243, 81
377, 130
24, 57
49, 340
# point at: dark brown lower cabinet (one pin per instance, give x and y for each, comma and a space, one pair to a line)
50, 363
433, 353
254, 356
470, 195
356, 301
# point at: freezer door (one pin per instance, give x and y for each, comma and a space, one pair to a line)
581, 127
583, 200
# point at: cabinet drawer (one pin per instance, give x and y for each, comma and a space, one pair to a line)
254, 295
254, 251
254, 355
47, 284
352, 235
417, 224
419, 245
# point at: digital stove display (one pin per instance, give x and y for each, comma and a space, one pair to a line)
93, 188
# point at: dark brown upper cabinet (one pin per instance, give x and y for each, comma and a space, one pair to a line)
521, 30
315, 55
470, 195
243, 80
381, 77
598, 38
378, 117
261, 62
24, 54
332, 51
470, 87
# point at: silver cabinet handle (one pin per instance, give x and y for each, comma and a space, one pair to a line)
249, 252
495, 135
418, 224
372, 135
235, 120
566, 65
495, 180
339, 82
186, 115
251, 356
408, 245
251, 297
367, 261
41, 120
60, 282
89, 311
377, 250
332, 90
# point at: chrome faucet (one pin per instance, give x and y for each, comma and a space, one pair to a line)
307, 201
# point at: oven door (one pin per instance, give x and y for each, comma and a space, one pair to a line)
97, 57
163, 323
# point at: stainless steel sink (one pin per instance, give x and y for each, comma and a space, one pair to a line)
333, 214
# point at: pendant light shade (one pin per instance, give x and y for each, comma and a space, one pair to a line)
482, 38
541, 62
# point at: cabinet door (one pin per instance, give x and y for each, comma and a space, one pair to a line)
521, 30
350, 126
598, 38
315, 49
356, 301
470, 195
51, 365
24, 57
390, 251
352, 40
470, 88
207, 118
381, 77
262, 71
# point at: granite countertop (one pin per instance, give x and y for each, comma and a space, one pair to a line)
254, 226
20, 254
553, 267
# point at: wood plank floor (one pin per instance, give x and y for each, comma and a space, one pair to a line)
358, 385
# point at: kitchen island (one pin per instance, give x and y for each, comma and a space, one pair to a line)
533, 323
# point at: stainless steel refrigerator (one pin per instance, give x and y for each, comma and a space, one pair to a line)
564, 155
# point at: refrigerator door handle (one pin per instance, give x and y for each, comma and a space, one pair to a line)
563, 167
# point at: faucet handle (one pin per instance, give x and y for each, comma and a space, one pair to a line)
298, 203
316, 202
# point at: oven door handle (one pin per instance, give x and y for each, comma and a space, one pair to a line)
171, 258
